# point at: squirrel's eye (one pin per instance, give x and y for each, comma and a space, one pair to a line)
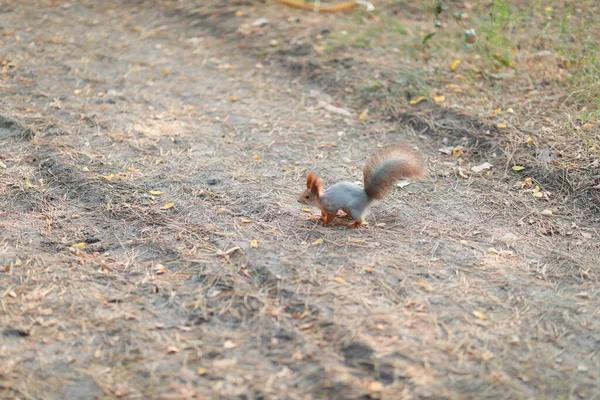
308, 197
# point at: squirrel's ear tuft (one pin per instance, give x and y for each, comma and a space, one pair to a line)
314, 184
311, 179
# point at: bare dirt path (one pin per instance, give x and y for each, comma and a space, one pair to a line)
152, 247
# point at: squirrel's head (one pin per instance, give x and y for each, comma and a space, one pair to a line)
314, 188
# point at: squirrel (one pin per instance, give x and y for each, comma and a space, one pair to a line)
380, 173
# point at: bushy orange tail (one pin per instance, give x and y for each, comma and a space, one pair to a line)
389, 165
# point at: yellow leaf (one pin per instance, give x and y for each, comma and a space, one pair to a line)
254, 243
109, 177
457, 152
167, 206
307, 210
417, 100
480, 315
77, 91
28, 184
234, 99
455, 65
363, 115
201, 371
425, 285
517, 168
222, 211
501, 125
439, 99
246, 220
80, 244
548, 9
339, 279
375, 386
156, 192
538, 195
317, 242
528, 181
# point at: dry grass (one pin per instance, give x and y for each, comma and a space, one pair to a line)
459, 288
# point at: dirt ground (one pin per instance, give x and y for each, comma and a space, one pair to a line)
151, 245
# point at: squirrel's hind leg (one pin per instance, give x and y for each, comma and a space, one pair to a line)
328, 218
357, 215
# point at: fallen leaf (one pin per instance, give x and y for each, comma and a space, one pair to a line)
416, 101
307, 210
160, 269
402, 184
428, 37
339, 279
167, 206
234, 99
454, 65
364, 115
458, 151
80, 244
254, 243
2, 165
547, 212
246, 220
480, 315
109, 177
470, 36
501, 125
439, 99
538, 195
172, 350
486, 356
528, 181
317, 242
375, 386
483, 167
548, 9
228, 344
425, 285
201, 371
156, 192
517, 168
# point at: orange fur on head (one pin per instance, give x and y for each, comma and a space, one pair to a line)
314, 183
